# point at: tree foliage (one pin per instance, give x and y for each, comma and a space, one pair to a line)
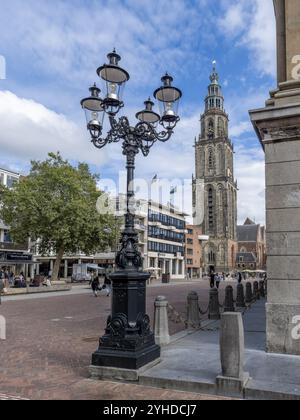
56, 204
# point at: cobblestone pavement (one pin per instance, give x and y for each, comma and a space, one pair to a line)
50, 341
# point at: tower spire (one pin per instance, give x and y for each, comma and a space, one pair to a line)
214, 77
214, 99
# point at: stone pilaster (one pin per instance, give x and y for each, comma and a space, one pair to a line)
278, 128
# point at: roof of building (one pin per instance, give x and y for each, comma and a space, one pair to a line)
247, 233
248, 257
249, 222
9, 171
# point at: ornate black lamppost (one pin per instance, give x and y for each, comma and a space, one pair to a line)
128, 342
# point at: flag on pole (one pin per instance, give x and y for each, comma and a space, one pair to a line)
155, 178
173, 191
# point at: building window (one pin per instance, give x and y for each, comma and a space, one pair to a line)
211, 129
7, 237
210, 159
211, 257
180, 268
241, 259
190, 241
165, 248
211, 209
11, 181
190, 252
189, 262
221, 127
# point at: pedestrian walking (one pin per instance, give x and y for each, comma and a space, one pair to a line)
218, 280
95, 286
240, 278
212, 280
107, 284
2, 286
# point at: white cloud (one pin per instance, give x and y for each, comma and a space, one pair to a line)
29, 131
252, 24
241, 128
70, 41
233, 20
261, 37
250, 173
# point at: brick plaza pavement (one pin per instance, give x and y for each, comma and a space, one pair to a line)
50, 341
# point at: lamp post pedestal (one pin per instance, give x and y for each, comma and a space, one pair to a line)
128, 342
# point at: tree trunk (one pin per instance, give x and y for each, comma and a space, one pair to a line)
57, 264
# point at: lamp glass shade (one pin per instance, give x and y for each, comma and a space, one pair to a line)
113, 74
148, 117
168, 94
168, 98
94, 111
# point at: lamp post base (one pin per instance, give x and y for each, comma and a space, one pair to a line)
128, 342
126, 359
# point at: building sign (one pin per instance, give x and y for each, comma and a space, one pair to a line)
292, 21
296, 68
15, 256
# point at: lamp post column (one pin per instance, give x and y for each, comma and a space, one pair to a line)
128, 342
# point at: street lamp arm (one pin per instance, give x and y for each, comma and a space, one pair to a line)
143, 135
148, 133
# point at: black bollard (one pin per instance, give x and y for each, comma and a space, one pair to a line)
262, 293
240, 298
229, 301
214, 305
249, 294
256, 295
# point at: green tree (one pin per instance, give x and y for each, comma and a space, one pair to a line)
56, 204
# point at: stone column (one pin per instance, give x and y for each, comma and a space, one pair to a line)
278, 128
66, 269
161, 321
193, 314
177, 268
232, 349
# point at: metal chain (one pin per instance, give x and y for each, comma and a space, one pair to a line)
175, 316
209, 329
203, 313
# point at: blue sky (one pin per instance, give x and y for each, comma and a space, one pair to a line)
52, 50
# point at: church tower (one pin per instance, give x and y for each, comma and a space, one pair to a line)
215, 172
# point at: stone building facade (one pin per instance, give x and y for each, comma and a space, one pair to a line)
278, 128
214, 169
166, 240
193, 252
13, 256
